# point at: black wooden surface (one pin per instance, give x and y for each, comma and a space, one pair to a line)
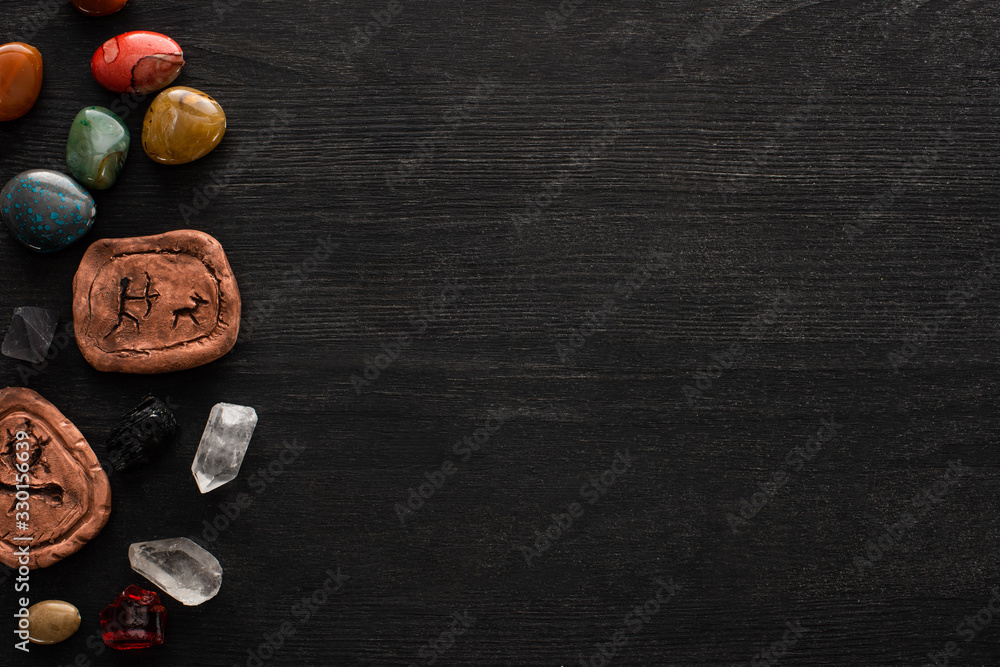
774, 213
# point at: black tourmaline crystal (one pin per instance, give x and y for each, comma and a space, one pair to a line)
142, 435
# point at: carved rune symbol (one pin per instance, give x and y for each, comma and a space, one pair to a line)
123, 301
38, 468
190, 311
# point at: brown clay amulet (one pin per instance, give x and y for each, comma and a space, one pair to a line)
155, 304
54, 495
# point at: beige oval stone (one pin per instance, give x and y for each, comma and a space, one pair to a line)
52, 621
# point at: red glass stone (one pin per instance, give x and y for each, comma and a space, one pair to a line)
134, 620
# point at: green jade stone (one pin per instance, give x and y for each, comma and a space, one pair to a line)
97, 147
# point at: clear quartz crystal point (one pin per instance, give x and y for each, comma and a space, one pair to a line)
30, 335
184, 571
223, 445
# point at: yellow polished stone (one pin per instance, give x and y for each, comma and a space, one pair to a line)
52, 621
182, 125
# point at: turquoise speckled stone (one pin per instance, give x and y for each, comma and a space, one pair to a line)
46, 210
97, 147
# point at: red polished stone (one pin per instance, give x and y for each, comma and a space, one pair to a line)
98, 7
137, 62
134, 620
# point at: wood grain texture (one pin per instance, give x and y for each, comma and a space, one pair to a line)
819, 178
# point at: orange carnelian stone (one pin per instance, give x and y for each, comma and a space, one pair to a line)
98, 7
20, 79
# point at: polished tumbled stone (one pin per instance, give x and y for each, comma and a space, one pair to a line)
20, 78
52, 621
97, 147
223, 445
98, 7
182, 125
184, 570
46, 210
137, 62
30, 334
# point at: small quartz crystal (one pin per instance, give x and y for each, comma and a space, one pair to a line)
180, 567
30, 335
223, 445
134, 620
